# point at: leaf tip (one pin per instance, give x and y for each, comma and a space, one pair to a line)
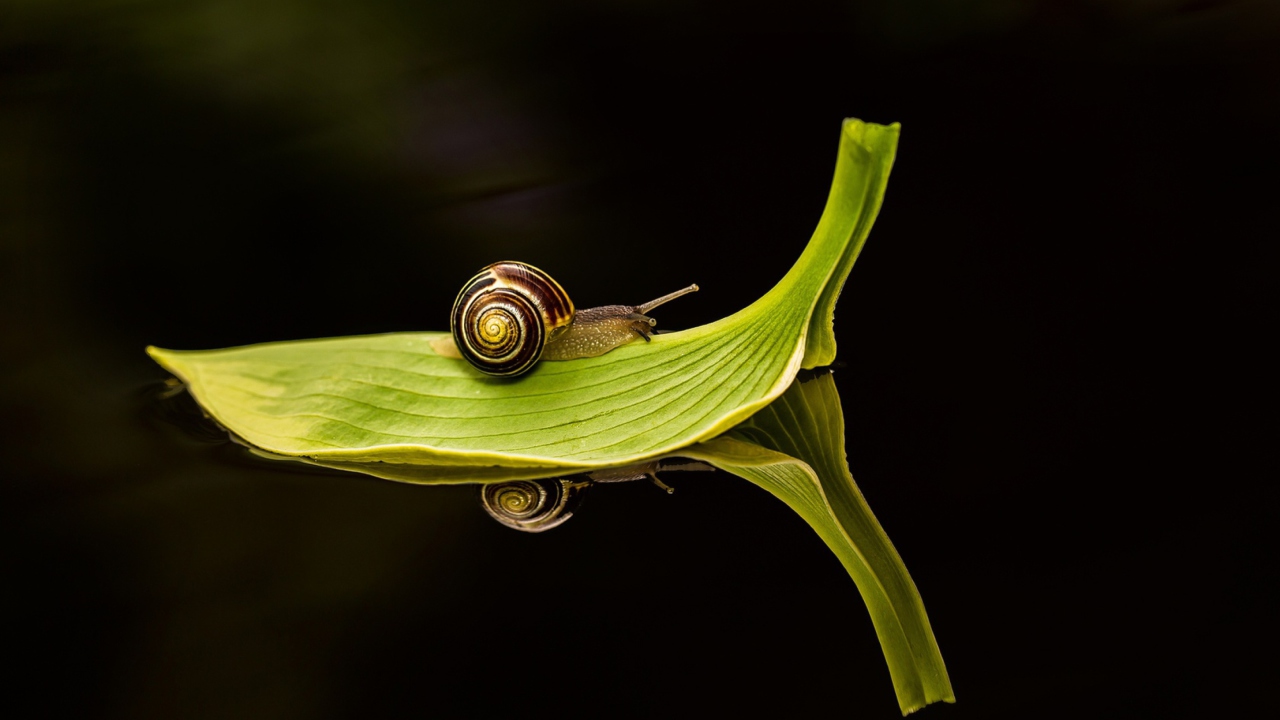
907, 709
157, 354
861, 129
166, 359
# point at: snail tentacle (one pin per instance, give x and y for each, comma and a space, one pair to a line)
642, 309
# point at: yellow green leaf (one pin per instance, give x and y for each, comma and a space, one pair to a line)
392, 398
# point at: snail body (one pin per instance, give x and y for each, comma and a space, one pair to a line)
512, 314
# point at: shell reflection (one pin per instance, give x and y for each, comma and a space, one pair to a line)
533, 505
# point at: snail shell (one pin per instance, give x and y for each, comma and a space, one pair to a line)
505, 315
532, 505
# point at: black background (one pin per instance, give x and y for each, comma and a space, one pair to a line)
1051, 350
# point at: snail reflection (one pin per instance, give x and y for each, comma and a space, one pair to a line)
537, 505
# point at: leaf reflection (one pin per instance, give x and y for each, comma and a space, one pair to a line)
793, 448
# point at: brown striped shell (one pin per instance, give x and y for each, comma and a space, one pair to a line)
506, 314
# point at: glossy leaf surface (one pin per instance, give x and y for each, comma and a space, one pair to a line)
391, 398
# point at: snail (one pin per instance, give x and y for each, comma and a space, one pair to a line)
512, 314
538, 505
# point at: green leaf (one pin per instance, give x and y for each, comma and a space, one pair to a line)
794, 448
391, 398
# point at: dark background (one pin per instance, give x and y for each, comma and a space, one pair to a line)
1051, 351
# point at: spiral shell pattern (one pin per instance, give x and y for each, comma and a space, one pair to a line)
505, 315
532, 505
